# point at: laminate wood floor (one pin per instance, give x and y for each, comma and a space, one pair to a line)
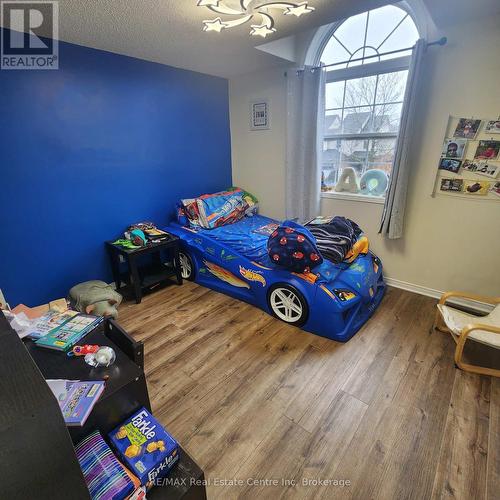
254, 401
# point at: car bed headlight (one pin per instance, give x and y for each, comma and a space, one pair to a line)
344, 295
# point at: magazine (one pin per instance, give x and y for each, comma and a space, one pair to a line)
50, 320
76, 398
67, 335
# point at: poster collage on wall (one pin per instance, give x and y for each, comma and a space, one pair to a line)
470, 159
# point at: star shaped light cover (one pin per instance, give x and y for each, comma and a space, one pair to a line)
258, 11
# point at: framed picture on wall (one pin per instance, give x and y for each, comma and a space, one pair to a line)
452, 185
454, 148
480, 188
487, 150
450, 164
492, 127
467, 128
259, 115
470, 165
488, 169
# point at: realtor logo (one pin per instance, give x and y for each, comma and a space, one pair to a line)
29, 35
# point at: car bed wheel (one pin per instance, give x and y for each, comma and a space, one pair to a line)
288, 304
187, 266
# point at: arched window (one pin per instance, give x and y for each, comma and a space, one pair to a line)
367, 69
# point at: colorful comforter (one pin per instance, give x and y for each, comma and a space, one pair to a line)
218, 209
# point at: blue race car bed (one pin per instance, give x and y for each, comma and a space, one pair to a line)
333, 301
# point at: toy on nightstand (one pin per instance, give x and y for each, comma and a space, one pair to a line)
145, 447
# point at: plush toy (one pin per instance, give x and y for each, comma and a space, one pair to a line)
95, 297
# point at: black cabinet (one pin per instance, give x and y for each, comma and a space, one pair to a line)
37, 459
37, 456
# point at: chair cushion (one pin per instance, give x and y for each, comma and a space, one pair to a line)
456, 320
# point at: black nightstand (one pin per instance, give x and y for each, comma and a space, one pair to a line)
141, 275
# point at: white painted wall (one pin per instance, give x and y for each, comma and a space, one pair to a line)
448, 243
259, 156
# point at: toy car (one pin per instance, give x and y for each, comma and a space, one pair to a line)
334, 300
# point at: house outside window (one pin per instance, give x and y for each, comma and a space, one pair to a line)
365, 88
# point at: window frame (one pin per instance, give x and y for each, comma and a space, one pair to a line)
393, 65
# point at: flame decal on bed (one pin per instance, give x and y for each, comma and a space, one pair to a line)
225, 275
250, 275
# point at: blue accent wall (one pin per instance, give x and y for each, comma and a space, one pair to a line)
86, 150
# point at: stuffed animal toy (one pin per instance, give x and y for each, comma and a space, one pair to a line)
95, 297
138, 237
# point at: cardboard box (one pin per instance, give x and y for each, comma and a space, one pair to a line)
145, 447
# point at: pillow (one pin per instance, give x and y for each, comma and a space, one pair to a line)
293, 247
216, 209
250, 200
190, 210
222, 208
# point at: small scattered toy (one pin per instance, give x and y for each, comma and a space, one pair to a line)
95, 355
149, 229
126, 243
83, 350
138, 237
95, 297
105, 356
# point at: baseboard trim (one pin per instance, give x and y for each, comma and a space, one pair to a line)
436, 294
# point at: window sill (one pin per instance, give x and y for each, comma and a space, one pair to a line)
353, 197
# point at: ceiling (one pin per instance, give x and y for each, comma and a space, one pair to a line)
170, 31
448, 12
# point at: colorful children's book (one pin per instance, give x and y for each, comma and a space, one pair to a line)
76, 399
145, 447
266, 230
68, 334
49, 321
105, 476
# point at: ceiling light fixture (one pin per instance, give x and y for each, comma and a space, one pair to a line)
251, 10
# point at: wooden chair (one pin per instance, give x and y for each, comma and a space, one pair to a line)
463, 326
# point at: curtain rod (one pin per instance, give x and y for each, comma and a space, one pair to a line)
441, 41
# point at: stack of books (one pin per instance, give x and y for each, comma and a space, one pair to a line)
64, 336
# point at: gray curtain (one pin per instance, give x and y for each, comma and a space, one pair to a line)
392, 221
304, 142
